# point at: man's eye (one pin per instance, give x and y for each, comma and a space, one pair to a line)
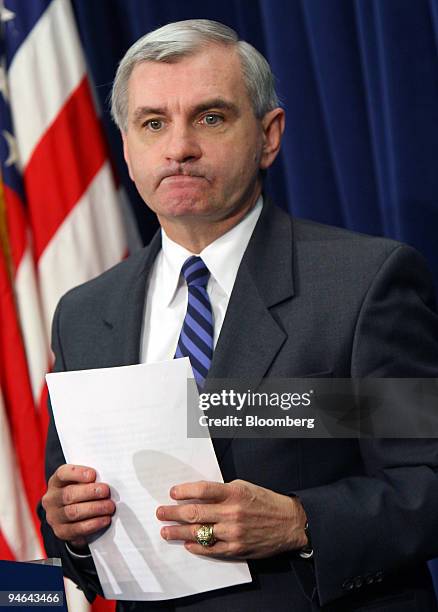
154, 125
212, 119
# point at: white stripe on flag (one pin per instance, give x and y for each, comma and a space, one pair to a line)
31, 322
46, 69
76, 601
15, 519
91, 239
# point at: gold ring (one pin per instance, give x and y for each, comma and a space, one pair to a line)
205, 536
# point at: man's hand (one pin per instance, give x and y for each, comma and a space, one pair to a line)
249, 522
76, 506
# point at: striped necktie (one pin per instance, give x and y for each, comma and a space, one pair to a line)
196, 338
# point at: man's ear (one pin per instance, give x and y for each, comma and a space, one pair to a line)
273, 124
126, 153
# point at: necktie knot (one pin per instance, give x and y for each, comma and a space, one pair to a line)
195, 272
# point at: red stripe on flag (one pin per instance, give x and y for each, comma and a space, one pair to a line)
17, 395
103, 605
16, 225
5, 551
43, 413
63, 165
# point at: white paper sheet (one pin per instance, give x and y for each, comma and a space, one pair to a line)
129, 423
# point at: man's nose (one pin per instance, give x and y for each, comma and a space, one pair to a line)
182, 145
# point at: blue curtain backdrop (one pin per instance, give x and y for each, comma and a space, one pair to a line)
359, 81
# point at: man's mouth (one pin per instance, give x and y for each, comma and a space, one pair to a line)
181, 179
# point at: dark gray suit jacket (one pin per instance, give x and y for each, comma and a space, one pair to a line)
308, 300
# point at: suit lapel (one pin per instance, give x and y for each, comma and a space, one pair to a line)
250, 337
124, 316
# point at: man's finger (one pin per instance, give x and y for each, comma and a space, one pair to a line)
203, 489
86, 510
69, 473
71, 532
191, 513
187, 533
76, 493
220, 550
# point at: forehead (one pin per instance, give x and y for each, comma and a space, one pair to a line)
215, 71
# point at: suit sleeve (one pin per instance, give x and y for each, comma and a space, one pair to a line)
364, 528
81, 571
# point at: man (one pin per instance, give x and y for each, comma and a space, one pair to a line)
200, 123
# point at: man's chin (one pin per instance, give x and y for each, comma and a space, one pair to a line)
184, 207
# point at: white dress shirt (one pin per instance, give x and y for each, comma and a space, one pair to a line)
167, 295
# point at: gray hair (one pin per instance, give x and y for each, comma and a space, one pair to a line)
181, 39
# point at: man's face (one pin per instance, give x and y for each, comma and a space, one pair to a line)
193, 144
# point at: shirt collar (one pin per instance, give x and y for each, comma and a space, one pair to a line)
222, 257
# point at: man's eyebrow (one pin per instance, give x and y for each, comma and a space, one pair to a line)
219, 103
144, 111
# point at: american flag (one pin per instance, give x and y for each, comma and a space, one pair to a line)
60, 224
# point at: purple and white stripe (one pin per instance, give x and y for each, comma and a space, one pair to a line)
196, 338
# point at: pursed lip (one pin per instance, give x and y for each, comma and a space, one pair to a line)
181, 178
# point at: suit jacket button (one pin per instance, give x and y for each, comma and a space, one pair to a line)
348, 585
358, 582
